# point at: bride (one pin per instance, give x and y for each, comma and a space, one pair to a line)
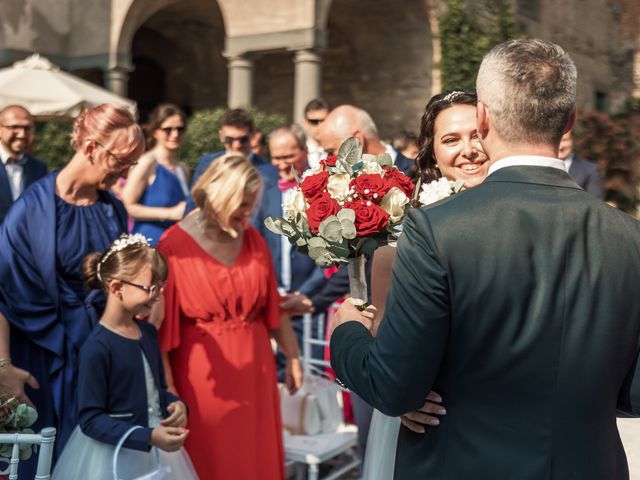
449, 148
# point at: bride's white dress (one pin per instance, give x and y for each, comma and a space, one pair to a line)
380, 457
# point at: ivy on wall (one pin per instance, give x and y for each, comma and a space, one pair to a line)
465, 39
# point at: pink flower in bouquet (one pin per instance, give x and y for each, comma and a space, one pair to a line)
314, 185
395, 178
370, 218
321, 207
370, 186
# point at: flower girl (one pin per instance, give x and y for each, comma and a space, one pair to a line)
121, 379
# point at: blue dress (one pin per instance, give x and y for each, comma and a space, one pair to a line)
42, 243
165, 191
121, 383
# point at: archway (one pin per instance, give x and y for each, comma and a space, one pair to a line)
176, 51
380, 58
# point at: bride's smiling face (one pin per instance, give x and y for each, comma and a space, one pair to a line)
456, 146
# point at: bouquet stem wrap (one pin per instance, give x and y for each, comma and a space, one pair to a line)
357, 281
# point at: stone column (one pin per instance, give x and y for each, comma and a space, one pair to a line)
116, 79
307, 82
240, 93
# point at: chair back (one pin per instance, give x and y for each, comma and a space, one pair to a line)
310, 337
44, 439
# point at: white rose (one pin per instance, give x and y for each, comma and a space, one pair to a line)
434, 191
371, 167
293, 203
338, 186
311, 171
393, 203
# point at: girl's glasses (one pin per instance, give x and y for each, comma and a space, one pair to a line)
152, 290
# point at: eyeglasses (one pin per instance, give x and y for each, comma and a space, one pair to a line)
120, 162
315, 121
152, 290
244, 139
169, 130
16, 128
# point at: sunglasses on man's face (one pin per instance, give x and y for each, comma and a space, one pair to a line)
169, 130
315, 121
244, 139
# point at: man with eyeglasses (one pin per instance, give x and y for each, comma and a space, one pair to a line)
235, 134
297, 275
314, 114
19, 169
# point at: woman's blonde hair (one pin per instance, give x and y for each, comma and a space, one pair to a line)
221, 189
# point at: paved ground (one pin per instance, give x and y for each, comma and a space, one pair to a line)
630, 433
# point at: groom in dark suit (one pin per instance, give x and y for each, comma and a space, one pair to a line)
516, 300
18, 169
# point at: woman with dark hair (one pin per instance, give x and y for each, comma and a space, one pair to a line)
156, 190
43, 240
448, 147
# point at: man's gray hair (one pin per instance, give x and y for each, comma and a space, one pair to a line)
529, 88
366, 124
295, 130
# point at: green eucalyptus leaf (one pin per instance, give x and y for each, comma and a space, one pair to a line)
274, 225
330, 229
384, 160
350, 151
368, 246
346, 214
348, 228
317, 242
357, 167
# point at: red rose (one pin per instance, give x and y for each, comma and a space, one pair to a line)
320, 208
313, 185
370, 186
395, 178
370, 218
331, 160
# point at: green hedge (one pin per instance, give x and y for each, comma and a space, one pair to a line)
52, 137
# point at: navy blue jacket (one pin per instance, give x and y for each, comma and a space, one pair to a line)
33, 170
112, 395
403, 163
266, 170
305, 276
587, 175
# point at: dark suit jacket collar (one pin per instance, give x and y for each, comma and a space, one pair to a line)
531, 174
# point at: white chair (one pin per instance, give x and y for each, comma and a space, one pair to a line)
44, 439
314, 450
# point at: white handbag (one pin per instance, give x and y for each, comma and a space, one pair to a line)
313, 409
159, 473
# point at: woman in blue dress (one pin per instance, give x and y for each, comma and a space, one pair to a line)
156, 190
46, 313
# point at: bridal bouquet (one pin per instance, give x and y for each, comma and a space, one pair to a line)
438, 189
344, 209
16, 417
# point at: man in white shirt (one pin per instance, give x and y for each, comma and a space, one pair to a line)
315, 113
18, 170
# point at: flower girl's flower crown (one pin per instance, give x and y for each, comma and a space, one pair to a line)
121, 243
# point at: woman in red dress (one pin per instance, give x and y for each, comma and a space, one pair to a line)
220, 309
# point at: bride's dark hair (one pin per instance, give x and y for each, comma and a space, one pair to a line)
424, 168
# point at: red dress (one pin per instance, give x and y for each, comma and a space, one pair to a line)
216, 326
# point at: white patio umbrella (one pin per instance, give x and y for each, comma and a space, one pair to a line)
46, 91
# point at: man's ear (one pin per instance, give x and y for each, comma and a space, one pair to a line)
571, 122
363, 140
482, 120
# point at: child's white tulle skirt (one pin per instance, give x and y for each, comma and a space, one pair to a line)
83, 457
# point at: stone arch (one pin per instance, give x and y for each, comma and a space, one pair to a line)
382, 58
178, 46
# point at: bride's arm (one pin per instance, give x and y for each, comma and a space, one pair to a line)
381, 281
